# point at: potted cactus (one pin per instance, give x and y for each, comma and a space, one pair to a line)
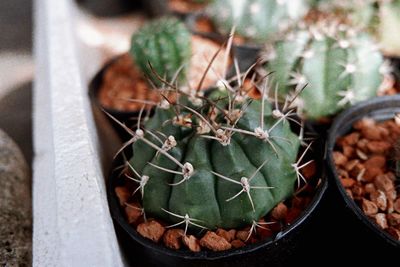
362, 159
206, 174
164, 46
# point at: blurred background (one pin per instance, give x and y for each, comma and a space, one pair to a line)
16, 72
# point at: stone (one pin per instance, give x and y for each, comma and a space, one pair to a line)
214, 242
15, 205
152, 230
191, 242
173, 238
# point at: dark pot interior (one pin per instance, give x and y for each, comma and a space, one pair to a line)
357, 231
110, 8
158, 8
289, 247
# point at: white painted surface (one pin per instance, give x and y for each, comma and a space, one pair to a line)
72, 223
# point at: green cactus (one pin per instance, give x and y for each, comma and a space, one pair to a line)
256, 20
165, 44
338, 66
225, 163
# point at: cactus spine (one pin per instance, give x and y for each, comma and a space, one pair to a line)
338, 66
256, 20
224, 163
165, 44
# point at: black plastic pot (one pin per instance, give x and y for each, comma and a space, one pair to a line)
158, 8
357, 232
108, 8
291, 246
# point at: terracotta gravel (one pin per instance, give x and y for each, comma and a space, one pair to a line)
365, 162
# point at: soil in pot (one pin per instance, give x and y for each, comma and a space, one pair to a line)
366, 160
186, 6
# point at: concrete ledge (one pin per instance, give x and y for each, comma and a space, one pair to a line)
72, 224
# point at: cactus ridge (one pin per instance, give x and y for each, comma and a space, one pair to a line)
220, 160
166, 45
338, 65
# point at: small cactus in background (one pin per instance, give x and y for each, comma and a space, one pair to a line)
379, 17
337, 65
165, 44
256, 20
218, 161
388, 30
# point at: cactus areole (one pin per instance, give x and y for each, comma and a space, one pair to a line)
222, 164
165, 45
337, 65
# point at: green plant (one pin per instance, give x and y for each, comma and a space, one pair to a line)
165, 46
221, 160
337, 65
256, 20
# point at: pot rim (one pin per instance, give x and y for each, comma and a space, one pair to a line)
380, 108
118, 217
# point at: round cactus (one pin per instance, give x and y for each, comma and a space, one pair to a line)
224, 163
165, 44
256, 20
337, 66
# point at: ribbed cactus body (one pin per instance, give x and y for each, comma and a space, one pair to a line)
205, 195
165, 44
256, 20
338, 68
